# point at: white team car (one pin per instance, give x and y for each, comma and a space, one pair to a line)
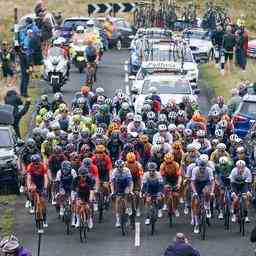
168, 87
200, 44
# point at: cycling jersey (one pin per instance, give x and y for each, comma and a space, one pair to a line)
37, 173
152, 185
104, 165
121, 180
66, 181
83, 186
171, 172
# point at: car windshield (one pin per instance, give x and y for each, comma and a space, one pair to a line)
72, 24
167, 87
248, 108
197, 35
5, 139
165, 55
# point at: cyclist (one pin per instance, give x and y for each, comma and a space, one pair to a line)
202, 184
64, 181
219, 152
137, 125
152, 186
163, 133
171, 173
83, 186
240, 179
37, 180
121, 184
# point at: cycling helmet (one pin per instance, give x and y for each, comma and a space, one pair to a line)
85, 134
130, 157
130, 116
223, 160
100, 149
160, 140
43, 112
146, 107
177, 145
31, 143
162, 128
63, 135
125, 106
50, 136
162, 118
221, 146
128, 147
172, 115
202, 163
66, 166
76, 118
188, 132
74, 156
181, 113
81, 100
219, 133
63, 107
220, 99
169, 157
233, 137
108, 101
85, 90
215, 142
100, 131
83, 171
36, 132
143, 138
55, 126
204, 157
115, 135
181, 128
35, 158
137, 118
156, 148
201, 133
48, 117
70, 148
239, 140
151, 166
77, 111
240, 163
85, 149
87, 162
116, 119
151, 115
172, 127
100, 91
223, 124
44, 97
119, 163
57, 150
240, 150
100, 99
58, 96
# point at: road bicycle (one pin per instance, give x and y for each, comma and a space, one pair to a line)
241, 212
84, 213
153, 212
122, 210
102, 198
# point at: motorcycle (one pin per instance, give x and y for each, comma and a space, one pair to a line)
77, 50
55, 69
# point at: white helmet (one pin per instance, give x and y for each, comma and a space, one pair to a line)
240, 163
221, 146
172, 127
201, 133
125, 105
137, 118
80, 29
223, 160
162, 128
99, 90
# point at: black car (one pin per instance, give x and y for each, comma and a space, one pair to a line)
9, 148
123, 32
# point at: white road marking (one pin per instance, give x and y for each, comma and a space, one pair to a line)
126, 78
137, 234
126, 67
127, 90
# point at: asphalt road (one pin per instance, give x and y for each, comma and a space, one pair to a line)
105, 239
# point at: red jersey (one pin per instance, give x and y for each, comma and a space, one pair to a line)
39, 170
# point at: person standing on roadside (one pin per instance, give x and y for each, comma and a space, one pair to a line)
241, 48
19, 110
181, 247
229, 43
7, 59
217, 40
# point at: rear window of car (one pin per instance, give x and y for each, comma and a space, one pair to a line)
74, 23
5, 139
248, 108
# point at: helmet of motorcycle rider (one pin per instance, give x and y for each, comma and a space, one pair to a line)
90, 23
169, 157
58, 96
85, 90
130, 157
172, 127
240, 163
223, 160
137, 118
162, 128
36, 158
151, 167
219, 133
125, 106
80, 29
221, 146
99, 91
119, 164
100, 149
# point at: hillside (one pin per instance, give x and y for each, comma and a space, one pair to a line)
79, 7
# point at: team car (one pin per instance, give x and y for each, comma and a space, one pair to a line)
200, 44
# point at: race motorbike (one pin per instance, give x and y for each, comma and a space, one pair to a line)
55, 69
77, 53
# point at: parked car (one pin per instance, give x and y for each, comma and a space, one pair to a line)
9, 146
123, 32
251, 51
245, 116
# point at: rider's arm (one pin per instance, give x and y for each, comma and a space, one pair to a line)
112, 182
211, 177
46, 181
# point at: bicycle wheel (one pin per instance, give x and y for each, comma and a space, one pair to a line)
123, 217
203, 226
153, 219
170, 212
241, 218
83, 230
227, 216
132, 217
100, 206
67, 219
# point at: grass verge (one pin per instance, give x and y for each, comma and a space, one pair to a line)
7, 210
222, 84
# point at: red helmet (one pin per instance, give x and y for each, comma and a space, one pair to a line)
85, 90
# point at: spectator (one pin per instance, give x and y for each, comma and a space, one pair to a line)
241, 49
10, 246
25, 67
7, 58
234, 101
13, 99
181, 247
229, 43
217, 39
